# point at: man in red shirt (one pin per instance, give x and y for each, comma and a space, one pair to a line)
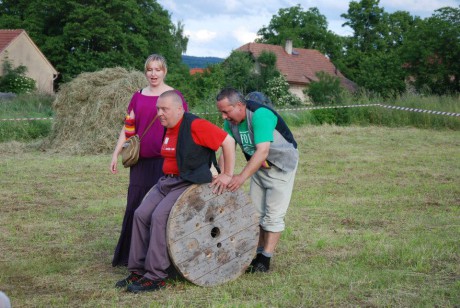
188, 148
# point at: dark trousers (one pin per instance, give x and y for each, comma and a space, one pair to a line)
149, 251
142, 177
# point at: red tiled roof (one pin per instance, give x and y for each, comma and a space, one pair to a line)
301, 66
195, 70
8, 36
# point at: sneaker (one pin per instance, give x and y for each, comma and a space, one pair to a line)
133, 277
253, 263
258, 267
145, 284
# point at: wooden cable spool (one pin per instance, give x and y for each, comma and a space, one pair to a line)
212, 238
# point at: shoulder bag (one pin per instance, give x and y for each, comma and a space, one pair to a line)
131, 148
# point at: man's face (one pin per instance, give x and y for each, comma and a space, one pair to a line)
169, 112
234, 114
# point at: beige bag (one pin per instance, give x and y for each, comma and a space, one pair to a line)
132, 146
130, 151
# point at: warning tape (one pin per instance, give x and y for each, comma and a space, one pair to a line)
327, 107
453, 114
26, 119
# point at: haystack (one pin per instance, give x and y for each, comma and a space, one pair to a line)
89, 110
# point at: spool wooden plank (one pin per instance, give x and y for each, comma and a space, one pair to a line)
212, 238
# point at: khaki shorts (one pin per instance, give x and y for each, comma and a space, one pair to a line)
271, 191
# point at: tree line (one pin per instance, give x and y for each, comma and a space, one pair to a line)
388, 53
385, 51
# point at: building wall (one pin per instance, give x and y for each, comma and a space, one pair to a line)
23, 52
297, 90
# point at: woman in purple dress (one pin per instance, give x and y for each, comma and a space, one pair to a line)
143, 175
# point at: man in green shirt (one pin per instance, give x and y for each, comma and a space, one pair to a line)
272, 157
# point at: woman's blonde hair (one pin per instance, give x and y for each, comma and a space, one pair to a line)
159, 59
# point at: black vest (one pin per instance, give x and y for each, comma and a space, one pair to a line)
194, 161
281, 126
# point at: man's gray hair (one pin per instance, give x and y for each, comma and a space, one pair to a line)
233, 96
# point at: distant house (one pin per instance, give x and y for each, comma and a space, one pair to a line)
196, 70
18, 47
299, 66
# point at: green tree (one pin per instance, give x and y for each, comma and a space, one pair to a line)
365, 18
241, 71
326, 90
431, 52
238, 69
372, 58
207, 85
79, 36
265, 69
306, 29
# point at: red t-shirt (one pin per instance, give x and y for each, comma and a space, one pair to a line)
204, 133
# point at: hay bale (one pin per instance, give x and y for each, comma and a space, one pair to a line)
89, 110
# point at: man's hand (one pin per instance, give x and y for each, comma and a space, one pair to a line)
220, 183
236, 182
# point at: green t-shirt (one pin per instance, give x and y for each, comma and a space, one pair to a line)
263, 124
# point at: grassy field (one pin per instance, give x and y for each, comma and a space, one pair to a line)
374, 221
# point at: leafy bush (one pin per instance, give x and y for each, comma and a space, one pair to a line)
338, 116
14, 79
325, 91
278, 92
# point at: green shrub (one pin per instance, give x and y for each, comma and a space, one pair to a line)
17, 84
14, 79
278, 92
325, 91
337, 116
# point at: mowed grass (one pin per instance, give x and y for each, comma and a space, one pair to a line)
374, 221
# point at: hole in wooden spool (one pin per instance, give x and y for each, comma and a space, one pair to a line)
197, 225
211, 219
215, 232
219, 245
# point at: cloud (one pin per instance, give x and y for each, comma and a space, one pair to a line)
422, 8
243, 35
170, 5
201, 35
232, 5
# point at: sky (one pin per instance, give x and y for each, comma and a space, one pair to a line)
216, 27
